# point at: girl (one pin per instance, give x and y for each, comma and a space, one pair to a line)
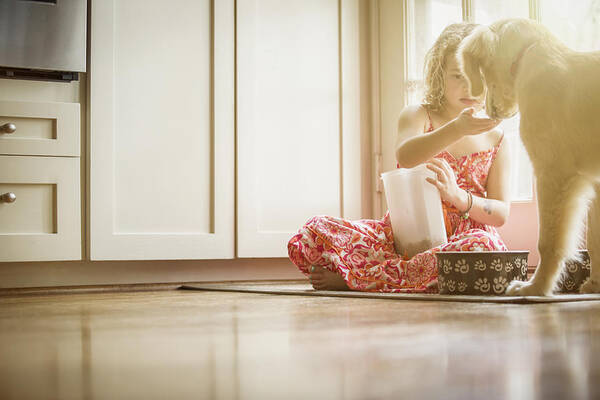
470, 161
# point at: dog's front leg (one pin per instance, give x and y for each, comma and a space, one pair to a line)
561, 205
592, 285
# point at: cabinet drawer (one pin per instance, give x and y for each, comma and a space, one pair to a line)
40, 209
30, 128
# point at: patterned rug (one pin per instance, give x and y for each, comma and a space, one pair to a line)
303, 288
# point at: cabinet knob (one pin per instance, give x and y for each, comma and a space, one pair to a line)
8, 198
8, 128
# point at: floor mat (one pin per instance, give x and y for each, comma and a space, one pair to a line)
303, 288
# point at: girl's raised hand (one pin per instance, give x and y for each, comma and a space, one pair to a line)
446, 182
467, 124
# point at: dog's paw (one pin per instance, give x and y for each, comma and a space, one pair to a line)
590, 286
520, 288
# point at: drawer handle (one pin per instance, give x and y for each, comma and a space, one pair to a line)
8, 198
8, 128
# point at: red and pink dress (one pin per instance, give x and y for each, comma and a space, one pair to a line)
362, 251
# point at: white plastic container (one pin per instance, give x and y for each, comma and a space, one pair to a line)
415, 208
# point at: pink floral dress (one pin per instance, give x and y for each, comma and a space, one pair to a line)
362, 251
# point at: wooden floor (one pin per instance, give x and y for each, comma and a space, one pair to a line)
208, 345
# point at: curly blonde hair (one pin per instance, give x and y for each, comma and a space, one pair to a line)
435, 63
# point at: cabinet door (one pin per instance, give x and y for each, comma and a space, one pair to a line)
161, 144
298, 115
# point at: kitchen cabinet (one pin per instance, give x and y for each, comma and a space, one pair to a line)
40, 213
211, 140
298, 119
161, 118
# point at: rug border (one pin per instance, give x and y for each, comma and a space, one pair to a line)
562, 298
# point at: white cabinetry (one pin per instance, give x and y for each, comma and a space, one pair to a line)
165, 138
40, 213
161, 129
298, 118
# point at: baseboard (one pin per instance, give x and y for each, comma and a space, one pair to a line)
86, 273
136, 287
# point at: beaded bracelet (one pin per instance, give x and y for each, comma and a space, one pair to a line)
465, 215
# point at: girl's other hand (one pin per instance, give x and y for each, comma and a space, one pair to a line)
446, 183
467, 124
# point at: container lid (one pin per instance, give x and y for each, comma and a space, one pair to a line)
405, 171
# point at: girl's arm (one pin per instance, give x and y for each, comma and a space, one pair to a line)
494, 209
414, 148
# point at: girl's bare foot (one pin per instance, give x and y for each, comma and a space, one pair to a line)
323, 279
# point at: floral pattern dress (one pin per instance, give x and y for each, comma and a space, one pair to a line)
362, 251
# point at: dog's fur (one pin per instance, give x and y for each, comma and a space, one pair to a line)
557, 90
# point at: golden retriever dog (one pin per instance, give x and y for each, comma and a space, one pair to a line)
525, 68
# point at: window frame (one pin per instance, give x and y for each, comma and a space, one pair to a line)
468, 15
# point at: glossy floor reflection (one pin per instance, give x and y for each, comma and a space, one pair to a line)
210, 345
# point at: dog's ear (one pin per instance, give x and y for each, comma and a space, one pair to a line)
474, 52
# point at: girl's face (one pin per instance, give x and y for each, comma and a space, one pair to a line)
457, 90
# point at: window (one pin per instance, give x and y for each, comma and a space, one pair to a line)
577, 24
486, 12
426, 20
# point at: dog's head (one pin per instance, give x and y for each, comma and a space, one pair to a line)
486, 57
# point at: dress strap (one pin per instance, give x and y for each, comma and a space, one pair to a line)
496, 148
430, 128
500, 141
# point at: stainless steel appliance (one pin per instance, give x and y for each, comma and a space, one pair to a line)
42, 39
